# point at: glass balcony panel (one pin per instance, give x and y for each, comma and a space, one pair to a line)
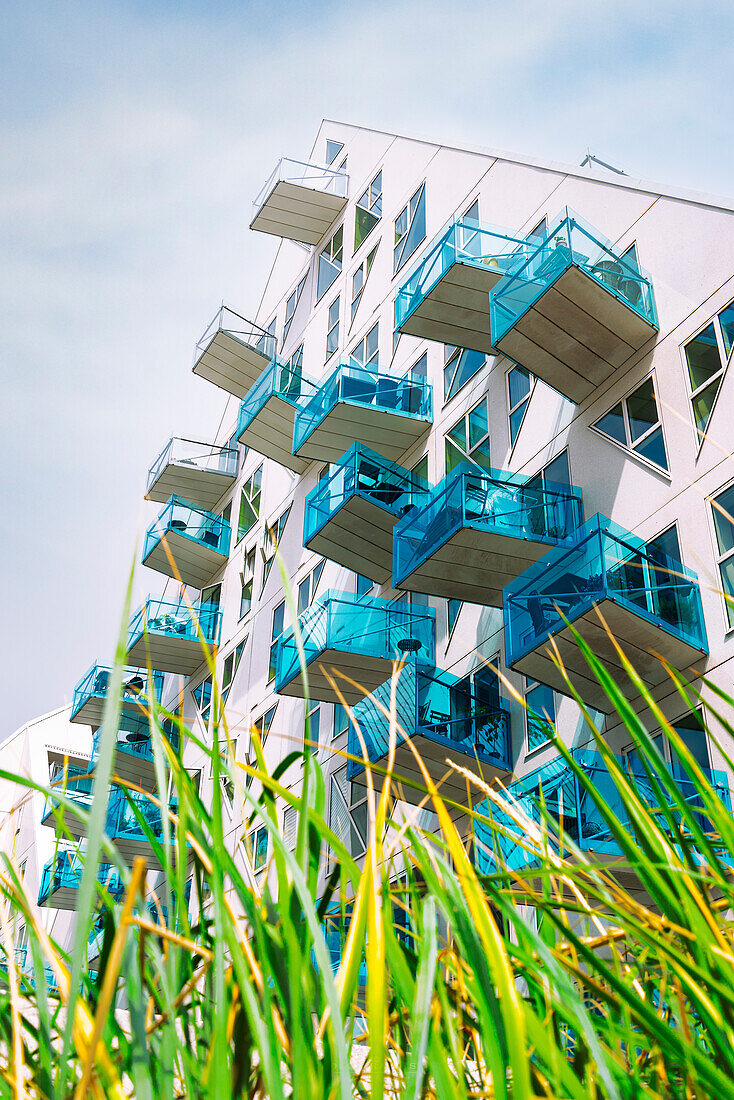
267, 413
476, 530
350, 406
197, 541
199, 472
651, 603
168, 634
350, 515
75, 783
62, 876
573, 308
300, 201
233, 352
134, 760
359, 637
90, 693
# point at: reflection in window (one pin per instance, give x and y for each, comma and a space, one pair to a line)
368, 211
468, 441
333, 149
330, 263
519, 388
635, 424
723, 512
410, 228
366, 351
460, 364
707, 355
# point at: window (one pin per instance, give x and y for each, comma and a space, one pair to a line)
330, 263
257, 848
540, 713
557, 472
231, 664
290, 827
723, 512
366, 351
707, 356
247, 580
271, 541
264, 722
364, 585
277, 630
472, 214
307, 587
410, 228
519, 388
264, 343
333, 149
368, 212
635, 424
324, 473
290, 308
459, 365
540, 232
341, 720
468, 441
203, 699
420, 471
359, 278
332, 329
453, 607
249, 503
312, 725
348, 811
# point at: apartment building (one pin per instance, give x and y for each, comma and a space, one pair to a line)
481, 395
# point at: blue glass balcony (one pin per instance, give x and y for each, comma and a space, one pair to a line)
197, 540
446, 295
299, 201
651, 603
167, 635
90, 693
574, 309
75, 782
199, 472
344, 635
443, 718
134, 760
233, 352
574, 815
124, 828
266, 416
350, 515
62, 876
476, 531
363, 405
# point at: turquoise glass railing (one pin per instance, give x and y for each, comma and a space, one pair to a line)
317, 177
66, 779
368, 626
206, 457
65, 872
570, 242
465, 242
160, 617
604, 562
362, 472
433, 704
277, 380
94, 684
498, 503
180, 517
573, 815
122, 824
363, 386
134, 738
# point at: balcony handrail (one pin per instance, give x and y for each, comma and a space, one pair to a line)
280, 378
248, 332
194, 522
228, 458
95, 681
338, 180
165, 617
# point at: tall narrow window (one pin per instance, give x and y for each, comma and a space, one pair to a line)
250, 503
519, 388
634, 424
364, 585
707, 356
264, 722
290, 308
348, 816
360, 277
203, 698
723, 512
341, 721
275, 633
332, 329
540, 714
271, 542
264, 343
366, 351
307, 587
330, 263
468, 441
247, 580
453, 607
410, 228
459, 365
368, 211
333, 149
312, 725
231, 664
256, 845
420, 471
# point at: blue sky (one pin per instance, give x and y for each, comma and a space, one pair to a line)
134, 136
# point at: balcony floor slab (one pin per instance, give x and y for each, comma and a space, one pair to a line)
359, 536
167, 652
388, 432
202, 487
231, 364
367, 672
196, 562
298, 213
270, 433
456, 309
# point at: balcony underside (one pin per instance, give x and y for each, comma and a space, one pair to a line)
134, 768
576, 335
358, 536
92, 711
64, 897
195, 562
73, 825
138, 848
474, 566
168, 652
639, 638
202, 487
387, 432
270, 433
297, 213
231, 364
456, 309
367, 672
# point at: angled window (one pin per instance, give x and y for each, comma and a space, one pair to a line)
368, 212
247, 580
363, 585
366, 351
540, 232
519, 388
275, 633
264, 722
453, 607
330, 263
203, 699
341, 721
348, 811
263, 342
459, 365
332, 329
420, 470
635, 424
360, 277
307, 587
723, 512
540, 714
249, 503
312, 725
472, 214
557, 471
256, 846
290, 308
468, 441
231, 664
707, 356
333, 149
410, 228
271, 541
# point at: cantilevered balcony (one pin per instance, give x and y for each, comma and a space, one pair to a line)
476, 531
199, 472
62, 877
90, 693
350, 515
233, 352
134, 761
344, 635
187, 542
442, 718
168, 635
75, 783
363, 404
128, 832
446, 295
267, 413
573, 310
300, 201
651, 604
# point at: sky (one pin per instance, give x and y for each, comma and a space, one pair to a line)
133, 137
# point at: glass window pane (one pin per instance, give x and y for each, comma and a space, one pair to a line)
612, 424
364, 222
333, 149
727, 586
726, 319
461, 370
541, 712
642, 409
519, 385
653, 448
557, 471
702, 356
478, 424
328, 272
693, 734
516, 420
724, 526
703, 403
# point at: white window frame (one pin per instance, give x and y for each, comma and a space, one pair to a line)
720, 374
629, 449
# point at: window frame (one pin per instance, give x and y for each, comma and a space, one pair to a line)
247, 577
629, 449
295, 297
330, 253
719, 558
720, 374
274, 639
256, 474
486, 438
400, 262
529, 685
523, 400
367, 193
365, 267
333, 327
